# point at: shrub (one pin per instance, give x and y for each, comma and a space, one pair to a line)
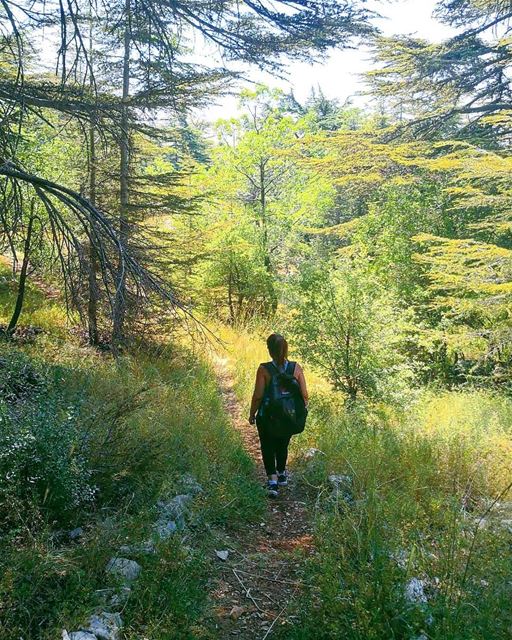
19, 377
344, 328
43, 463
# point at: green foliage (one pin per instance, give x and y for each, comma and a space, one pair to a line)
419, 484
43, 462
451, 86
260, 207
65, 131
343, 329
236, 285
20, 378
385, 237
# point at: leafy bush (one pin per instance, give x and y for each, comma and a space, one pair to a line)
348, 333
43, 460
236, 286
19, 376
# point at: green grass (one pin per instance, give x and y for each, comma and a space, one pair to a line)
421, 479
38, 310
139, 424
409, 487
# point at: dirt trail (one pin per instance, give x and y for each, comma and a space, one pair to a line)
258, 583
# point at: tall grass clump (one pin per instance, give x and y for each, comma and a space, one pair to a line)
410, 539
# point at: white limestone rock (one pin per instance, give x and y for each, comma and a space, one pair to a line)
164, 529
76, 533
124, 568
415, 591
401, 557
312, 453
223, 554
78, 635
106, 626
175, 508
190, 485
342, 487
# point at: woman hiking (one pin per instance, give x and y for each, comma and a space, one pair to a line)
275, 432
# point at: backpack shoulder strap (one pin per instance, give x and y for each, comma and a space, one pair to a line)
290, 368
270, 368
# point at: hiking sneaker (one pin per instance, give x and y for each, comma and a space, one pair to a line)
272, 489
282, 479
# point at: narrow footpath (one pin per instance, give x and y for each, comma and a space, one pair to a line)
257, 585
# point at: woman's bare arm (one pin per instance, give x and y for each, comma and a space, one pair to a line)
259, 391
299, 374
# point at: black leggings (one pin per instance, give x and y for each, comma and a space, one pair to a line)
274, 451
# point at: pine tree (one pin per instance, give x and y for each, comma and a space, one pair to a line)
450, 87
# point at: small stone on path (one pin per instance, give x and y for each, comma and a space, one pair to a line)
106, 626
78, 635
222, 555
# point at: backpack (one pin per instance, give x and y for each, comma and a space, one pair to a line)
282, 412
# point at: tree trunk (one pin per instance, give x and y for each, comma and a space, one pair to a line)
119, 311
23, 276
266, 254
230, 294
92, 303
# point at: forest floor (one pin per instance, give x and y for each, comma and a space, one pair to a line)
256, 586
